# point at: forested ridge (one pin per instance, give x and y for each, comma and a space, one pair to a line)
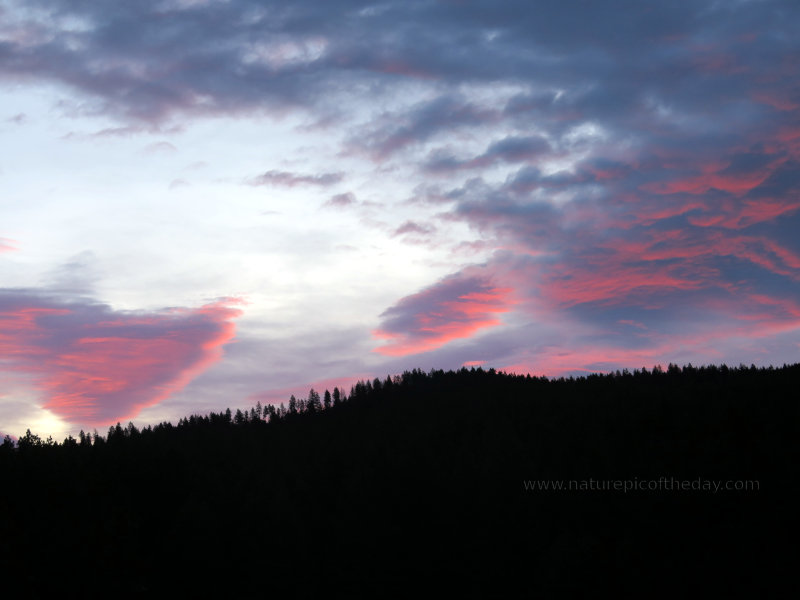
426, 478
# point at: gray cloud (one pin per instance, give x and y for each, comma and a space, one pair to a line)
511, 149
18, 119
289, 179
151, 60
392, 132
341, 200
414, 228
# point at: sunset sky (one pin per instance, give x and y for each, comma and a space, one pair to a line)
206, 203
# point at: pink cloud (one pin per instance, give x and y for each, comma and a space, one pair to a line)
714, 176
701, 272
7, 245
739, 326
655, 263
96, 366
741, 214
456, 307
614, 284
474, 363
778, 99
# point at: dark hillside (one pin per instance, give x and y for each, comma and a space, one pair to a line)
424, 479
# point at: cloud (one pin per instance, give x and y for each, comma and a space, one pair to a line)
414, 228
639, 164
341, 200
178, 183
161, 147
597, 258
394, 132
454, 308
7, 245
511, 149
128, 131
289, 179
76, 276
152, 60
94, 365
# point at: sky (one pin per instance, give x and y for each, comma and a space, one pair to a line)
209, 203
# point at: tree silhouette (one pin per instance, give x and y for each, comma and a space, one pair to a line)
438, 460
313, 404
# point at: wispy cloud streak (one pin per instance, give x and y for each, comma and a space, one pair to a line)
7, 245
289, 179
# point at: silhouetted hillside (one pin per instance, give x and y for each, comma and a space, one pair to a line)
443, 478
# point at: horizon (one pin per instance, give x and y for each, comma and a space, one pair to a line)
208, 204
284, 404
280, 402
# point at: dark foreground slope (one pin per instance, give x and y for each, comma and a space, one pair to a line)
434, 479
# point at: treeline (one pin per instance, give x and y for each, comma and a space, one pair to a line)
421, 477
259, 412
314, 402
